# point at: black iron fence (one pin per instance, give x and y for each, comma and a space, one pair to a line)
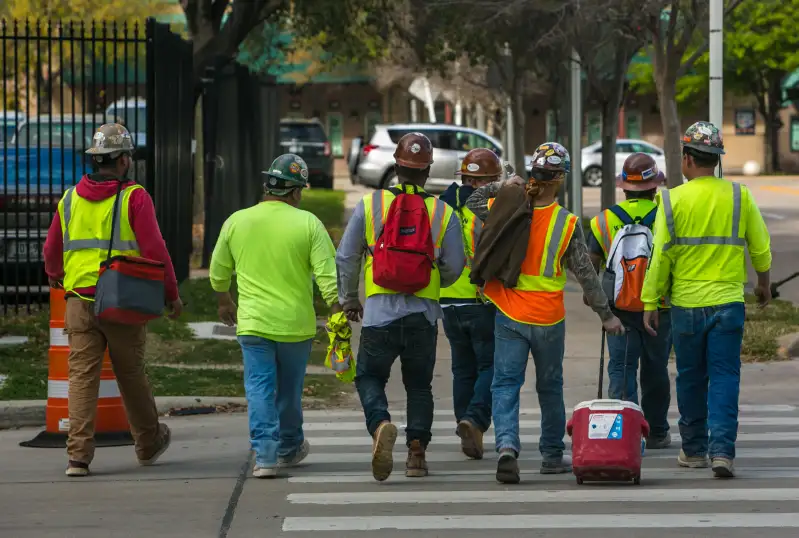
59, 82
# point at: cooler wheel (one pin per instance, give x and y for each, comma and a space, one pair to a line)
637, 480
579, 481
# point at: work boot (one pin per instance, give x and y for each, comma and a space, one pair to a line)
561, 466
383, 450
165, 438
656, 443
507, 467
692, 462
263, 471
297, 457
723, 467
471, 439
77, 469
415, 465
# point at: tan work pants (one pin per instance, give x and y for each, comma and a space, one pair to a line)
88, 338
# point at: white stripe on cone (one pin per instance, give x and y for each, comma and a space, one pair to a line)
60, 389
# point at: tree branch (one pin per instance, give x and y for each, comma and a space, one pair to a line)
689, 63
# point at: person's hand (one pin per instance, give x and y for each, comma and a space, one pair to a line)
354, 312
55, 283
335, 308
613, 326
651, 321
516, 180
763, 294
227, 311
175, 308
585, 300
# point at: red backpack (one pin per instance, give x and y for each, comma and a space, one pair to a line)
404, 255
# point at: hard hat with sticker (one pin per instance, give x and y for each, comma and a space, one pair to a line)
473, 167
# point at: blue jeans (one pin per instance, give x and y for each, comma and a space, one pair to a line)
707, 342
274, 375
654, 358
514, 342
470, 331
412, 339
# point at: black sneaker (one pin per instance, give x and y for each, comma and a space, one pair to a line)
655, 443
508, 467
77, 469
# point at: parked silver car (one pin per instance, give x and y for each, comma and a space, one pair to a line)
592, 158
373, 166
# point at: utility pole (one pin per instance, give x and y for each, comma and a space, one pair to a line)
576, 135
716, 93
510, 148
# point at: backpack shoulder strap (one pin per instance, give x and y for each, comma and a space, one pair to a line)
649, 218
398, 190
623, 216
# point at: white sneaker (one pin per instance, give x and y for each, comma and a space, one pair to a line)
723, 468
301, 454
264, 472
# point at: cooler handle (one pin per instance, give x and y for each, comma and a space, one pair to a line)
570, 426
645, 428
606, 405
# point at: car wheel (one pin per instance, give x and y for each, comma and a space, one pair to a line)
592, 177
390, 180
326, 183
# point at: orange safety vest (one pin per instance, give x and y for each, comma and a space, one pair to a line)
537, 298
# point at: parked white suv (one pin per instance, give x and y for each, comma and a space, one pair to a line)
592, 158
373, 165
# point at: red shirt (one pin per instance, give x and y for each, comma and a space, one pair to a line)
141, 214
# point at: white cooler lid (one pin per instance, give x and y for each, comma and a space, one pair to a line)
607, 405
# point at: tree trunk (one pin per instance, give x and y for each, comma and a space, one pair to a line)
517, 109
672, 130
610, 127
773, 122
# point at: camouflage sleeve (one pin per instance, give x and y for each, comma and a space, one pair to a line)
478, 201
579, 263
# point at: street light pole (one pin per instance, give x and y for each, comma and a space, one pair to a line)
576, 135
716, 96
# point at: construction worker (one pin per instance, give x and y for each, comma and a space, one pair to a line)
468, 317
530, 316
77, 242
701, 229
275, 316
398, 323
639, 180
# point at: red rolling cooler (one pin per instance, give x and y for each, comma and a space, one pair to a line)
607, 437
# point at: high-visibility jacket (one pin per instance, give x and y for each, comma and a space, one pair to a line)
463, 291
701, 230
86, 229
378, 203
605, 225
537, 298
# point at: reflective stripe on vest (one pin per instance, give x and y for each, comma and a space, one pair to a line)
732, 239
551, 276
471, 227
103, 244
378, 204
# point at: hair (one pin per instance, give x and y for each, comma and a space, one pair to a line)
641, 195
105, 162
701, 159
535, 188
412, 175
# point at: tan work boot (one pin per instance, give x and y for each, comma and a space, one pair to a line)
77, 469
382, 450
692, 462
415, 465
165, 438
471, 439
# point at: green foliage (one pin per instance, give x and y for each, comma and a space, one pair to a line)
691, 87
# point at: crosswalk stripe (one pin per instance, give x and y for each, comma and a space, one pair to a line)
337, 414
658, 520
443, 456
488, 440
482, 475
626, 494
442, 425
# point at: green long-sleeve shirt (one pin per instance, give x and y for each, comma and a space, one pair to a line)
275, 250
708, 274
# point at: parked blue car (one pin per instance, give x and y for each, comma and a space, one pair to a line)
44, 158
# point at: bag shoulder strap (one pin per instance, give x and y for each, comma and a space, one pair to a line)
649, 218
623, 216
115, 213
396, 191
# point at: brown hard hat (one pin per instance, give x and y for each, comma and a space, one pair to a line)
414, 150
480, 162
640, 173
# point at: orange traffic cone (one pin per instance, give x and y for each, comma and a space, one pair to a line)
111, 423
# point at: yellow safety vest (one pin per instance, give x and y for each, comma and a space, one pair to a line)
706, 237
86, 229
378, 203
605, 225
463, 291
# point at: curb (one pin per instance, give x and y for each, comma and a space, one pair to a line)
29, 413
